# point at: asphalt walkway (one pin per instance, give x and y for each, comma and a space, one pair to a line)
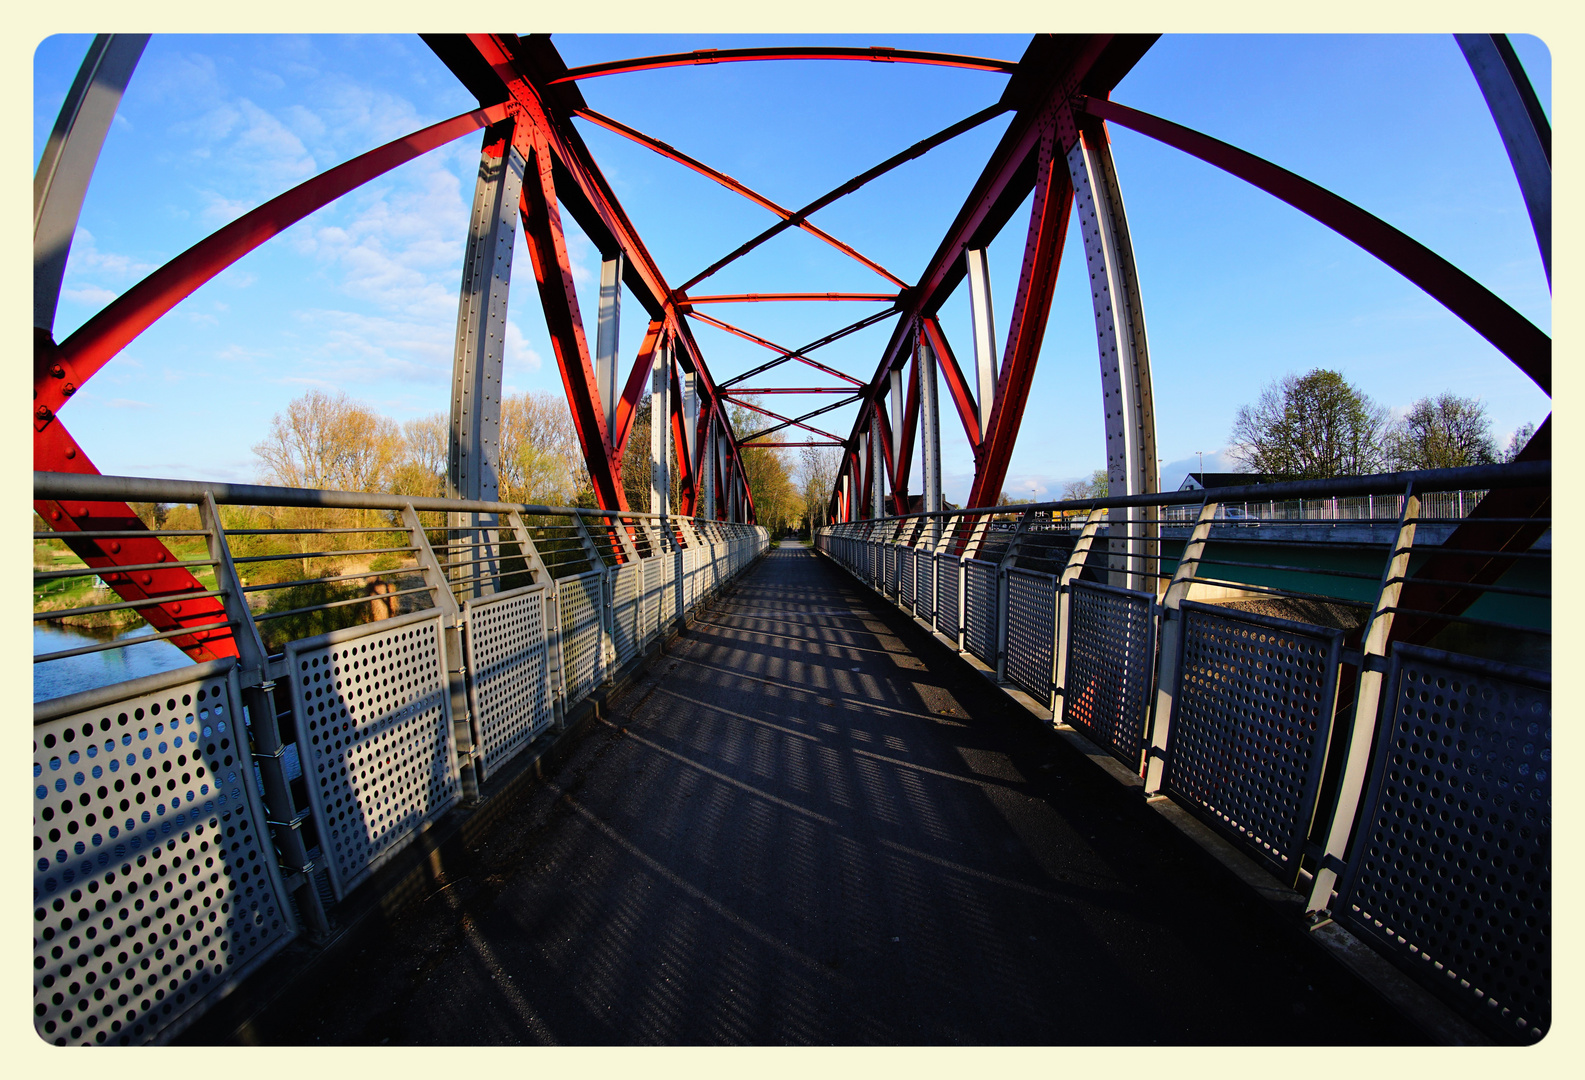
808, 823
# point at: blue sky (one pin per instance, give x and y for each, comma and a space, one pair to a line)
1239, 289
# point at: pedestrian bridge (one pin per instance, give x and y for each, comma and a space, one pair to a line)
1086, 772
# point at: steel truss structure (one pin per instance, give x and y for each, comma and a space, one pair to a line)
534, 166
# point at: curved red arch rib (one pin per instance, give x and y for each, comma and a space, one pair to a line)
107, 333
1515, 336
880, 53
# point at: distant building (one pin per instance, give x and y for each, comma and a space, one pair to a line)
1200, 481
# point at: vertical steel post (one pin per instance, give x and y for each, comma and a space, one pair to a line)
898, 429
607, 339
690, 430
660, 431
984, 325
1167, 655
258, 695
930, 428
1004, 593
462, 720
1126, 395
707, 462
1367, 703
1526, 132
67, 164
877, 466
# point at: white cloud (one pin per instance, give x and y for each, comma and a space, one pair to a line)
92, 295
519, 354
86, 257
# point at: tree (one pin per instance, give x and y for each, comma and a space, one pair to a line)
1518, 441
1444, 432
425, 444
1096, 487
817, 475
1310, 426
330, 442
541, 457
776, 501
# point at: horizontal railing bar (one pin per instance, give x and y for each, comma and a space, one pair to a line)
325, 580
123, 642
1506, 590
84, 571
339, 603
315, 532
125, 605
1437, 616
116, 534
285, 556
1209, 561
1266, 591
95, 487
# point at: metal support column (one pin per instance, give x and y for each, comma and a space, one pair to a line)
474, 450
1126, 397
1526, 132
899, 428
660, 431
984, 326
607, 339
690, 429
929, 432
707, 468
68, 161
877, 467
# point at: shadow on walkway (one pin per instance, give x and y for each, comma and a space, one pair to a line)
809, 824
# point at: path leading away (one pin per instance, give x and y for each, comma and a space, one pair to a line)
809, 823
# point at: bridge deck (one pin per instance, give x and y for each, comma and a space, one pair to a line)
808, 824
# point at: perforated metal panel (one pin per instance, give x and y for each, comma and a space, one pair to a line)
509, 665
654, 586
948, 570
1451, 874
925, 590
1251, 716
1032, 632
373, 712
690, 578
1111, 662
905, 576
580, 632
979, 609
154, 884
889, 555
627, 583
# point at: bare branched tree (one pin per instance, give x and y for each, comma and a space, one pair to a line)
1310, 427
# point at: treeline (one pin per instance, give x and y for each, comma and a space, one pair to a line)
1318, 425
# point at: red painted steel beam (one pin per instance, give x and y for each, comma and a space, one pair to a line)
786, 354
672, 153
1037, 281
485, 62
56, 451
802, 354
547, 251
790, 445
880, 53
1053, 69
957, 385
1513, 335
787, 421
735, 393
760, 298
919, 148
59, 374
633, 392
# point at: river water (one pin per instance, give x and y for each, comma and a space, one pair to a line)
57, 678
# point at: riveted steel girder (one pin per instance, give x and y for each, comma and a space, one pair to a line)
1126, 396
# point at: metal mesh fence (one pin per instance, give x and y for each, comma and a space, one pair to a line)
1110, 665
